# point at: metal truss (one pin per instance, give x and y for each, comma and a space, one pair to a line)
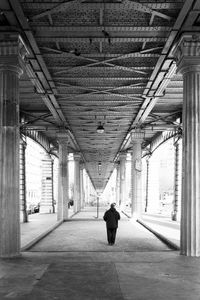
162, 138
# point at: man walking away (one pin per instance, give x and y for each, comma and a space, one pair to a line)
111, 218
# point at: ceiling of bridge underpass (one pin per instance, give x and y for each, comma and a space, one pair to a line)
98, 62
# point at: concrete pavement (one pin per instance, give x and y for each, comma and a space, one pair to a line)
74, 262
37, 227
162, 226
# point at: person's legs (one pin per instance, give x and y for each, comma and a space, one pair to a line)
113, 235
109, 235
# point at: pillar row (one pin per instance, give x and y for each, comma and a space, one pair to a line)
12, 52
47, 201
136, 176
63, 178
117, 183
122, 183
176, 180
82, 193
87, 191
77, 194
188, 62
147, 183
22, 168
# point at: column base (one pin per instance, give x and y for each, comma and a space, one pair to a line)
46, 209
15, 255
135, 215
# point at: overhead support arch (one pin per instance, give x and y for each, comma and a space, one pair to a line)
49, 147
39, 138
162, 138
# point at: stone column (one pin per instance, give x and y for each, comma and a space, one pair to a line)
118, 183
47, 201
77, 199
63, 178
22, 167
12, 53
188, 63
147, 183
82, 194
122, 167
86, 188
153, 185
176, 180
136, 176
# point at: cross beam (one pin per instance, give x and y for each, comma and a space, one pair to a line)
127, 4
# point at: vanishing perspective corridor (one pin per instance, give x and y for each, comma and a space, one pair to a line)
74, 262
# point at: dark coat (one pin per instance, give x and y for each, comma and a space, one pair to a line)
111, 217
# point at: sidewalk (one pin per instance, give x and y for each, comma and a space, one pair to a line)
163, 227
75, 262
40, 225
37, 227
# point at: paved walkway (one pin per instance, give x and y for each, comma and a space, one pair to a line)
162, 226
38, 226
74, 262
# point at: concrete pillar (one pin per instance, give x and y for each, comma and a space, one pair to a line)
188, 62
47, 201
82, 193
88, 189
118, 183
176, 180
87, 192
22, 163
147, 183
153, 184
136, 176
122, 167
77, 196
12, 53
63, 178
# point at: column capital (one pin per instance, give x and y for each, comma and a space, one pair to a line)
63, 138
23, 142
12, 52
122, 155
116, 164
137, 135
46, 156
77, 156
82, 166
187, 53
148, 154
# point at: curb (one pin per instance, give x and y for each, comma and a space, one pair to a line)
163, 239
41, 236
126, 214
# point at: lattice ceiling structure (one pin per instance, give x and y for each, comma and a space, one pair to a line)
100, 62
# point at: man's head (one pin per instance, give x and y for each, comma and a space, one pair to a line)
112, 205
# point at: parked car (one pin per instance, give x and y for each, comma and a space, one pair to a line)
30, 209
70, 203
33, 208
36, 208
